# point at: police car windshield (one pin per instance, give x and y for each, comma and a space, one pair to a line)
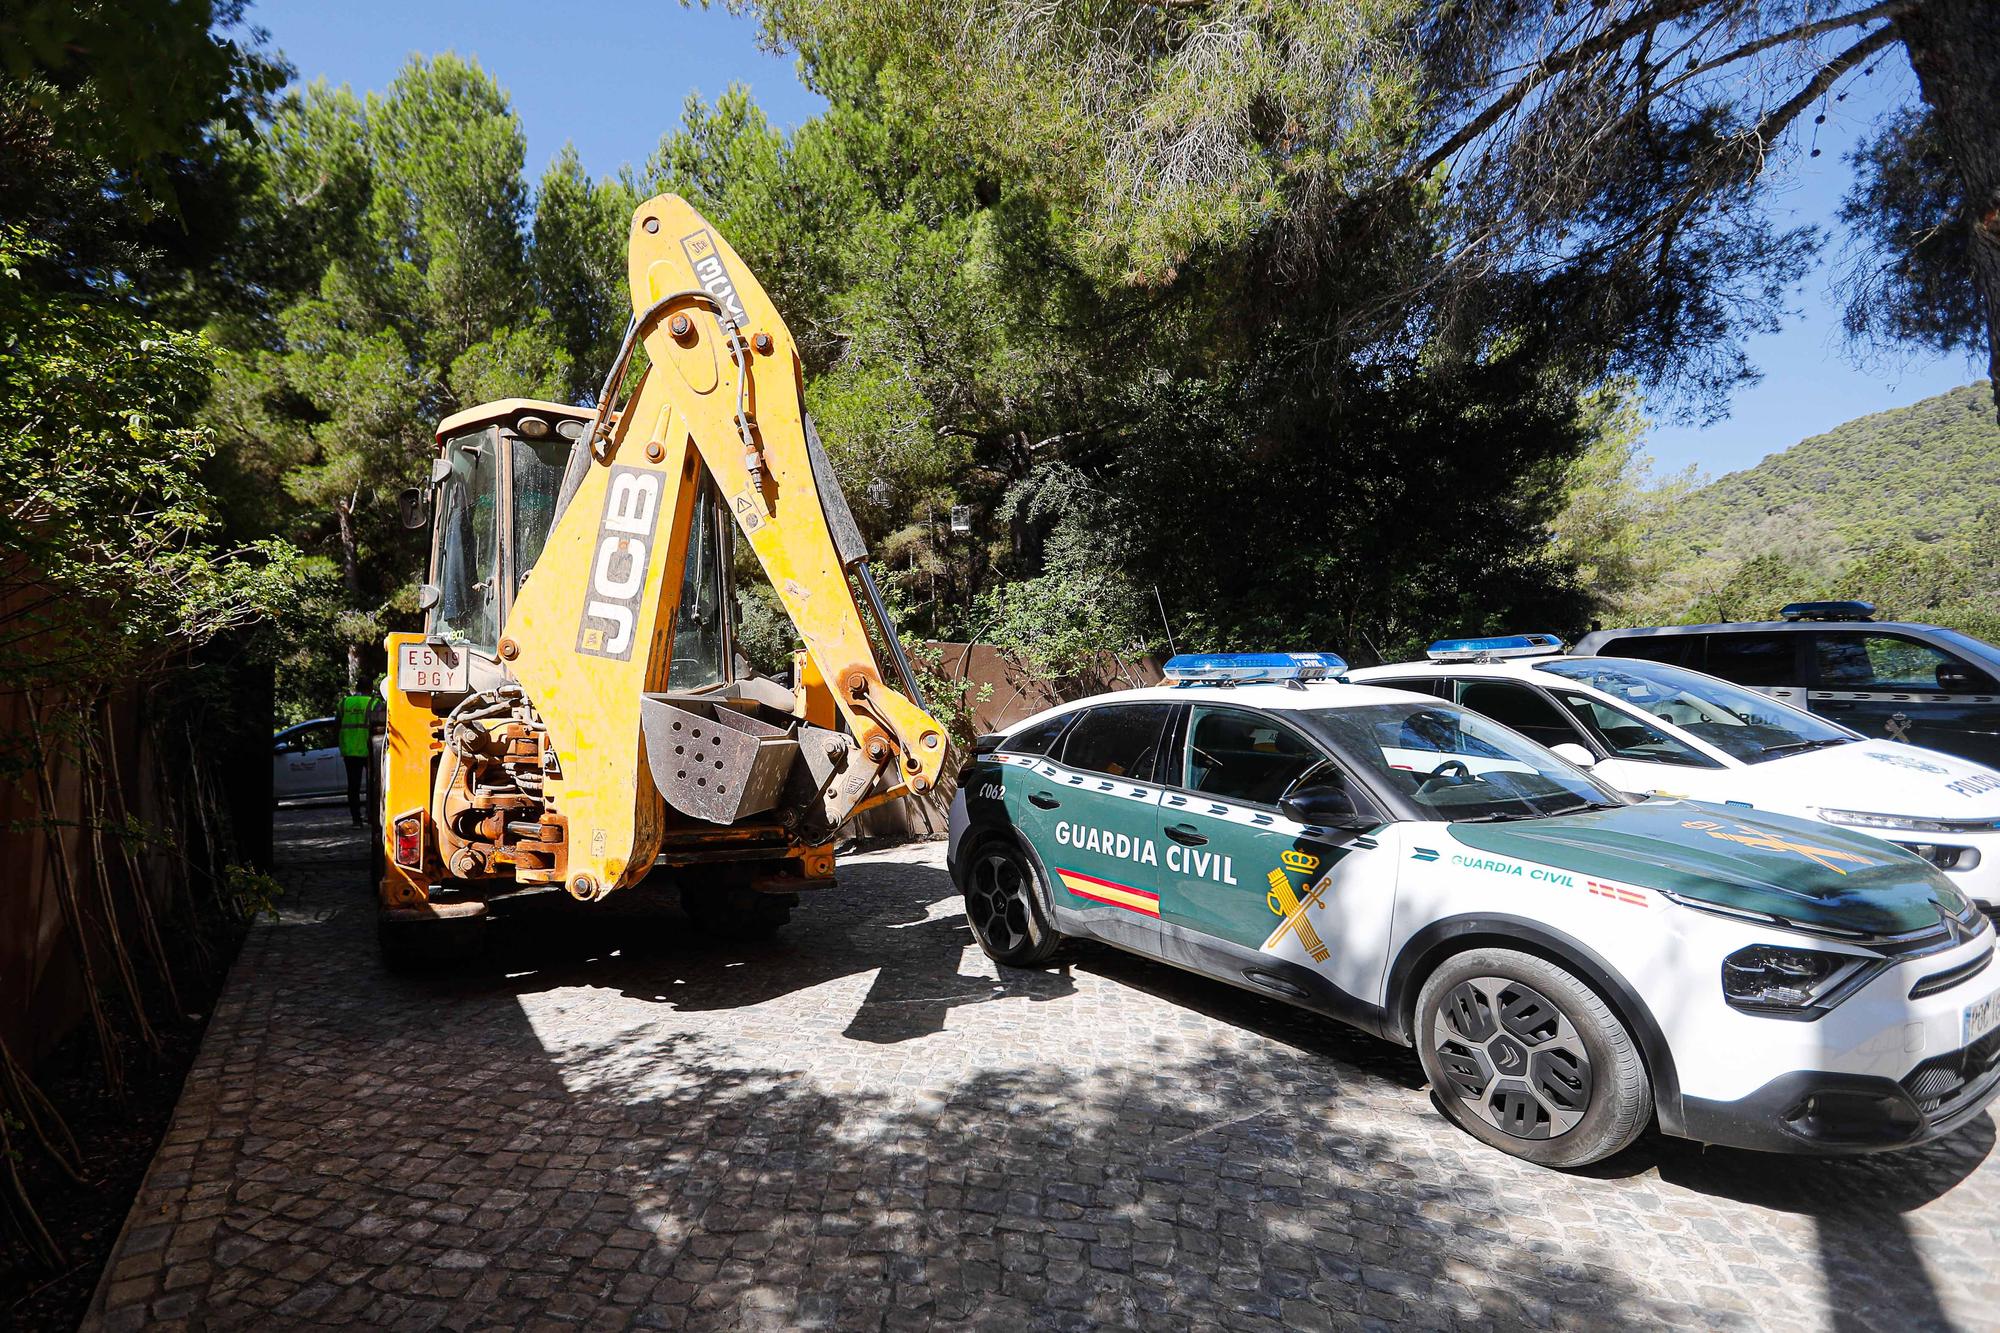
1455, 765
1741, 723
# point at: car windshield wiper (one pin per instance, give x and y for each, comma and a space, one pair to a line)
1804, 745
1504, 817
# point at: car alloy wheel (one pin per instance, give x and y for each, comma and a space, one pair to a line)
1003, 902
997, 901
1513, 1057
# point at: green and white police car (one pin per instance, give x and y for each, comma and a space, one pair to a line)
1653, 728
1571, 964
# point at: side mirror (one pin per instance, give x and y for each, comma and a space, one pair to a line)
1956, 678
1328, 804
415, 506
1574, 754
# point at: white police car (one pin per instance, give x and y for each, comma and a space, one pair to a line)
1571, 965
1650, 727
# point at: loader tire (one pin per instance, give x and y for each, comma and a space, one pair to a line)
735, 911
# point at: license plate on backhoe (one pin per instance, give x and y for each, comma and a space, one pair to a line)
434, 668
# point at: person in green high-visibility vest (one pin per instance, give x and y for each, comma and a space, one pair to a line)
354, 713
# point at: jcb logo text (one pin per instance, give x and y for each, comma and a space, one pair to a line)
618, 564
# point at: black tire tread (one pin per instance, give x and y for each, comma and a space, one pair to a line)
1631, 1113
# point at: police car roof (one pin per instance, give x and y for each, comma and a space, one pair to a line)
1511, 666
1278, 697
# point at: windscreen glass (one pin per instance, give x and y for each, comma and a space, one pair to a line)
700, 637
538, 474
1741, 723
468, 542
1456, 765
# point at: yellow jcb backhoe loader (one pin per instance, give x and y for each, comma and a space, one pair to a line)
573, 715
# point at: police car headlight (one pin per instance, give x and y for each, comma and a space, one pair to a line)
1866, 819
1793, 983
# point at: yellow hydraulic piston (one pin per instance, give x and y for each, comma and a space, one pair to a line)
591, 631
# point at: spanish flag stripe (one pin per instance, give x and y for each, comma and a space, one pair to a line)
1112, 894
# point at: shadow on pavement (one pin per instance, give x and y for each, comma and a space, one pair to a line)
755, 1137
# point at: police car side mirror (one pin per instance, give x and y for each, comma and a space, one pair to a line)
1955, 678
1328, 805
1575, 754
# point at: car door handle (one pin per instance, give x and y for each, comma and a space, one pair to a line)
1044, 800
1185, 833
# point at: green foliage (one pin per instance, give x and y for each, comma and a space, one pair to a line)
409, 293
1900, 508
1613, 504
131, 84
1911, 278
113, 559
1922, 473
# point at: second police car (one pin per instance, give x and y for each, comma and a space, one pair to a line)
1571, 964
1650, 727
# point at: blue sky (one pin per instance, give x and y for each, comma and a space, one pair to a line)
610, 76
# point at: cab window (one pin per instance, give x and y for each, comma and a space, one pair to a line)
1521, 708
1627, 737
538, 474
1122, 740
468, 542
1246, 757
1757, 660
1885, 662
1037, 739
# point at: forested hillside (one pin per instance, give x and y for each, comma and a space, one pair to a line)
1901, 508
1921, 473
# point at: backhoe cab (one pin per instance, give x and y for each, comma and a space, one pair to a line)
574, 713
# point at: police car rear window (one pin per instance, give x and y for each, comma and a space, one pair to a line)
1122, 740
1037, 738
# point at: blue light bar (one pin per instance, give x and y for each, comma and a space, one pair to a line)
1494, 649
1828, 611
1251, 668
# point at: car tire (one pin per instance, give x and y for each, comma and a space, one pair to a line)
1528, 1059
1004, 905
736, 911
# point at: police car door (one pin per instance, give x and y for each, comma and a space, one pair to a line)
1901, 689
1237, 868
1095, 810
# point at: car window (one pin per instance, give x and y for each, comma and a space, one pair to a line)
324, 736
1757, 660
1436, 686
1678, 649
1122, 740
1246, 756
1626, 736
1741, 723
1037, 739
1521, 708
1452, 764
1878, 662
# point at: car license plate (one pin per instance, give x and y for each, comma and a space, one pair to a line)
1981, 1017
434, 668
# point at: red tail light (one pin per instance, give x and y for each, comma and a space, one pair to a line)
410, 840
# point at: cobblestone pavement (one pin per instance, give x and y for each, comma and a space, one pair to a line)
861, 1125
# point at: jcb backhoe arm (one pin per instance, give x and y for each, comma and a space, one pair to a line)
591, 632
